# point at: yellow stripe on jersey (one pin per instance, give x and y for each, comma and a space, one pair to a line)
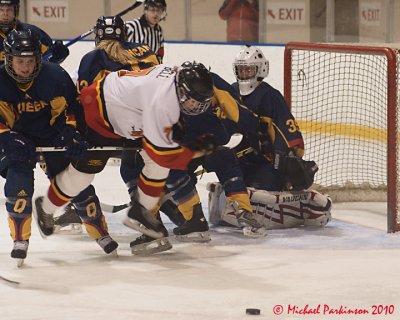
160, 150
227, 103
58, 106
100, 102
6, 111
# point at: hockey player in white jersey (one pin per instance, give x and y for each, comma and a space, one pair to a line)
142, 106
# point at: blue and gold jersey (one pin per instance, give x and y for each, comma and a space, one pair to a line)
226, 106
270, 106
225, 116
42, 36
37, 110
96, 64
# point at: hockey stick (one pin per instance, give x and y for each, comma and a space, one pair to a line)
32, 286
239, 154
58, 149
136, 4
233, 142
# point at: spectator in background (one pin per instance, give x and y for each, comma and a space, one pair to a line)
146, 29
242, 20
9, 10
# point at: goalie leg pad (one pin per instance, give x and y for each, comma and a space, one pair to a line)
273, 210
291, 209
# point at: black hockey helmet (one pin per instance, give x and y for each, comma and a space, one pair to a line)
161, 4
11, 3
194, 81
110, 28
22, 44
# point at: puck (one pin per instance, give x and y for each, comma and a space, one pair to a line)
253, 311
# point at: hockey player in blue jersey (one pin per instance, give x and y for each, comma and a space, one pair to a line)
9, 10
277, 176
34, 99
274, 141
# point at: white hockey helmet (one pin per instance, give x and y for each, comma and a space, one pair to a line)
250, 68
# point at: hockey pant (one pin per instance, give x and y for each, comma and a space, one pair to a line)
274, 210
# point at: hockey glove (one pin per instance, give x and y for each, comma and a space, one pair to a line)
205, 143
17, 147
59, 52
298, 174
76, 144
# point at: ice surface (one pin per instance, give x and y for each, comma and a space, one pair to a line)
344, 265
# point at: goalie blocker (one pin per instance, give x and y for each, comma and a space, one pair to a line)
273, 210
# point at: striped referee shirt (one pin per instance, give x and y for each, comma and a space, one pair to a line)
139, 31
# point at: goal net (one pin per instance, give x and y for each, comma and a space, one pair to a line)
345, 99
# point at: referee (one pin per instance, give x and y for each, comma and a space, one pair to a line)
146, 29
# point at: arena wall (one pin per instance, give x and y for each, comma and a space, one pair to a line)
217, 56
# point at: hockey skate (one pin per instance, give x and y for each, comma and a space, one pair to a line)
19, 251
144, 221
108, 245
195, 229
68, 222
44, 220
171, 210
145, 245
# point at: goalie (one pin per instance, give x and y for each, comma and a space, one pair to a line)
277, 177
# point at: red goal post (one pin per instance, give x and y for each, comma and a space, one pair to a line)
345, 99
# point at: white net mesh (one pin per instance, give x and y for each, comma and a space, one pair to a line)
340, 100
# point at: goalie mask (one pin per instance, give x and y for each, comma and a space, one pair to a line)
194, 87
110, 28
250, 68
8, 21
23, 57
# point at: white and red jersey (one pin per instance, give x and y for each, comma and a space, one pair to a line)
138, 104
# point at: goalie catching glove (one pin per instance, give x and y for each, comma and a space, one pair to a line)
298, 173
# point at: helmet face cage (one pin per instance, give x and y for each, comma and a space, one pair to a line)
194, 86
110, 28
10, 3
22, 44
246, 58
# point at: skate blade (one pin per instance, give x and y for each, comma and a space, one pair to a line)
71, 229
136, 225
254, 232
194, 237
152, 247
20, 262
113, 254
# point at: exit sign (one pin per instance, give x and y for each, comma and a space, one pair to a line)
48, 11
